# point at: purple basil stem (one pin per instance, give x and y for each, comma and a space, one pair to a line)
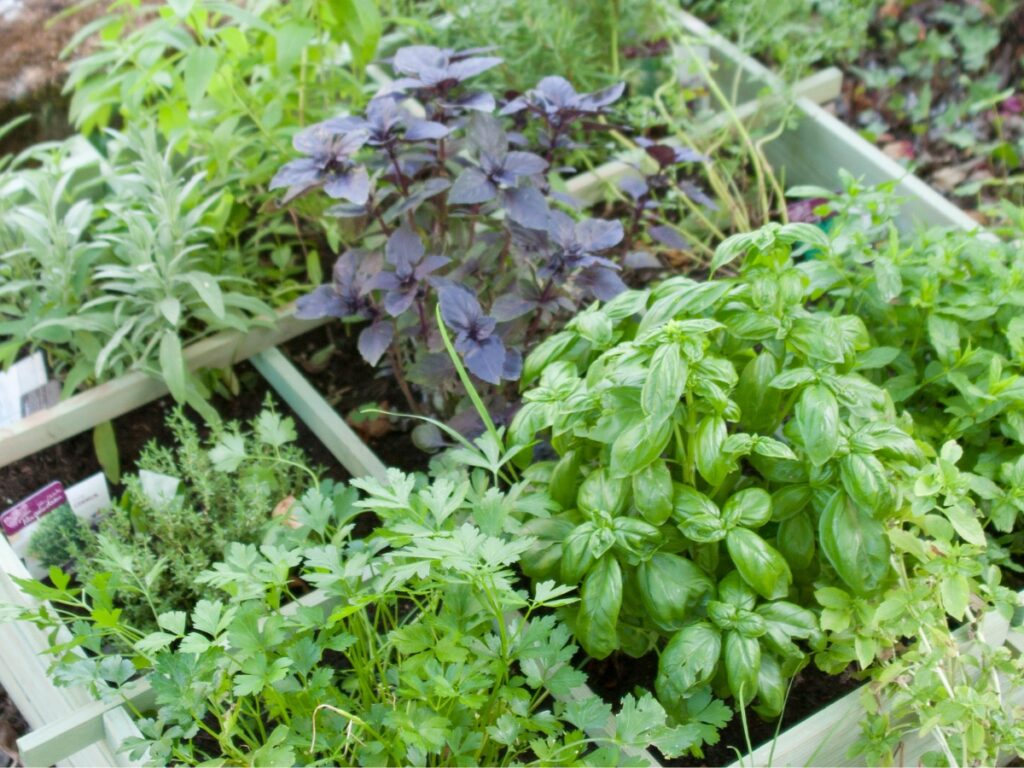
406, 253
345, 295
328, 148
475, 338
558, 102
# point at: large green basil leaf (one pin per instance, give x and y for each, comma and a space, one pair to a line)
742, 656
751, 508
796, 540
652, 492
665, 384
600, 603
760, 564
864, 480
732, 589
691, 299
544, 354
771, 688
581, 549
786, 621
542, 560
688, 662
758, 400
564, 480
817, 419
638, 446
789, 500
670, 586
854, 543
601, 493
620, 409
711, 462
698, 516
635, 539
818, 337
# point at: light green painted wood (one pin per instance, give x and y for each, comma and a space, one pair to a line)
592, 186
119, 396
820, 144
23, 669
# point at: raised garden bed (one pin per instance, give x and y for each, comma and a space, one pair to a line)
810, 154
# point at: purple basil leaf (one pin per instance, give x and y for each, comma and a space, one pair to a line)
467, 68
663, 154
430, 264
513, 365
668, 236
598, 234
412, 58
472, 187
404, 248
525, 163
509, 306
517, 104
598, 99
352, 185
374, 340
604, 283
641, 260
459, 308
697, 194
557, 89
324, 301
396, 302
485, 359
687, 155
303, 171
476, 101
425, 130
562, 228
634, 186
526, 206
382, 281
487, 136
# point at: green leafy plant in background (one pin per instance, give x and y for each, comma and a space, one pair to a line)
591, 45
795, 36
944, 309
112, 264
424, 651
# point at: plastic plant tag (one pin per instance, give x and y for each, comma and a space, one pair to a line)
89, 497
30, 509
159, 489
40, 398
25, 376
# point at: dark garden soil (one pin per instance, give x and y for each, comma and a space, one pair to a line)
332, 364
12, 726
75, 459
812, 690
985, 137
32, 35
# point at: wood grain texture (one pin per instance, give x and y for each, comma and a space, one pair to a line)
118, 396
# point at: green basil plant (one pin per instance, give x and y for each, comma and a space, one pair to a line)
718, 453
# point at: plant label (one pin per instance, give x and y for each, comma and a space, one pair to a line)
22, 378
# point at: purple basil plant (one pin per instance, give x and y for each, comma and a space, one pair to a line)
455, 204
